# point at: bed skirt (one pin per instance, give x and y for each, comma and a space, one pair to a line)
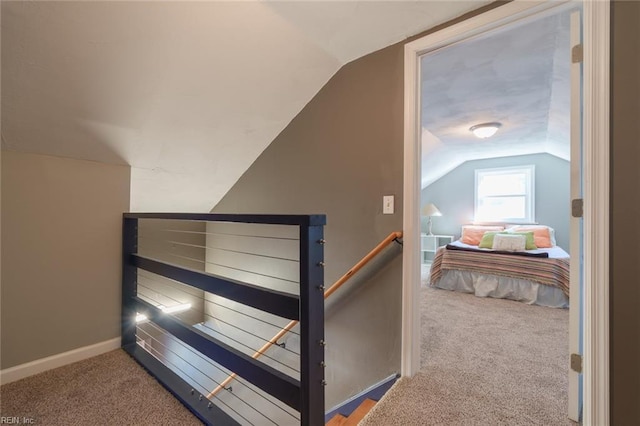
485, 285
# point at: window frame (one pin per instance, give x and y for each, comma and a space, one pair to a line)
529, 171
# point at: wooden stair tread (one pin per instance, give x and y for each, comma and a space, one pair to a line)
337, 420
359, 413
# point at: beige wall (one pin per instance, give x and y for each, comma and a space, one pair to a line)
61, 254
625, 213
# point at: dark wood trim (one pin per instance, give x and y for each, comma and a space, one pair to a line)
129, 282
267, 378
312, 343
180, 388
269, 219
285, 305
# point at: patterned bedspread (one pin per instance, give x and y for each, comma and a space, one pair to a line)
547, 271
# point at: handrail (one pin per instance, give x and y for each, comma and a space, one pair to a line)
394, 236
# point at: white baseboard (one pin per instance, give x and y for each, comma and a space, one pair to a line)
21, 371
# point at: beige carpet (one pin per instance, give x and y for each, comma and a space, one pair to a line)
484, 362
110, 389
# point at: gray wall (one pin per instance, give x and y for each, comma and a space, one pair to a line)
345, 149
453, 194
61, 254
339, 156
625, 212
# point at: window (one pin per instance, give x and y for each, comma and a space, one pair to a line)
505, 194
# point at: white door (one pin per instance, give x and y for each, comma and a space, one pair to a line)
576, 300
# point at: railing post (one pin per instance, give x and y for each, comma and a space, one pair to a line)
129, 277
312, 325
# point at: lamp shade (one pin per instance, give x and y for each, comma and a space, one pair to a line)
430, 210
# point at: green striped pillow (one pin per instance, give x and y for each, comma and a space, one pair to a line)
487, 239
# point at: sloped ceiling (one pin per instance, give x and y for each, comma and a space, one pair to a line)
518, 76
186, 93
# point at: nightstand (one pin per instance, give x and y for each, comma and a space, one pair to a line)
430, 244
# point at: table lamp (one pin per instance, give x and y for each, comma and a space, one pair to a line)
430, 210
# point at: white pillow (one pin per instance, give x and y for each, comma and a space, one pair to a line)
508, 242
552, 232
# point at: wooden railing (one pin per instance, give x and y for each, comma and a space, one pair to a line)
394, 236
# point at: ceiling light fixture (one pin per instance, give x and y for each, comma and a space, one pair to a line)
485, 130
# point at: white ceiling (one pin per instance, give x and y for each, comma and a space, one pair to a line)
186, 93
519, 77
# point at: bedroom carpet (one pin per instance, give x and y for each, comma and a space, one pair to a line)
110, 389
483, 362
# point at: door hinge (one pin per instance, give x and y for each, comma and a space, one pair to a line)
576, 53
576, 363
577, 207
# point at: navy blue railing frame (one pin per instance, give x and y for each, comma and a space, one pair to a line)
305, 395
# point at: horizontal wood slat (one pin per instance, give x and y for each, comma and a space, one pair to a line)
281, 386
277, 303
304, 220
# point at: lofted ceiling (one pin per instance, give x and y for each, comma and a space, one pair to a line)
518, 76
186, 93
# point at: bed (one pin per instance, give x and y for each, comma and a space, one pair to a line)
537, 275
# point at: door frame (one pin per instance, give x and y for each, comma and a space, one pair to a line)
595, 133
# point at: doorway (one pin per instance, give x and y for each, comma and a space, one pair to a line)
595, 139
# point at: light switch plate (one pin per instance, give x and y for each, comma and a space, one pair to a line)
387, 204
